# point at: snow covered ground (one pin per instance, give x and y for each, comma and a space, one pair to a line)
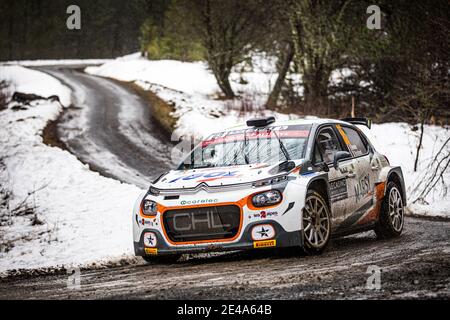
192, 89
58, 212
55, 211
67, 62
399, 142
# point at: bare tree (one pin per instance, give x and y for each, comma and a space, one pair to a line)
326, 35
435, 174
285, 59
422, 90
227, 30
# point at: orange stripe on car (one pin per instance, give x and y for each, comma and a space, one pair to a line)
374, 213
246, 201
343, 134
239, 203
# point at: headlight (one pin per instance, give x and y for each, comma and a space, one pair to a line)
149, 207
266, 198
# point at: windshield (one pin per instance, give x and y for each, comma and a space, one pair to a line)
268, 145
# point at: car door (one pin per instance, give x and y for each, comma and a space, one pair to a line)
327, 144
361, 179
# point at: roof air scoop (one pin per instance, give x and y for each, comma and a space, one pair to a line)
260, 122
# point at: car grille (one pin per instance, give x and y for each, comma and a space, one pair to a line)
205, 223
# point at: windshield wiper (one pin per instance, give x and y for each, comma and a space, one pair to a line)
282, 147
247, 161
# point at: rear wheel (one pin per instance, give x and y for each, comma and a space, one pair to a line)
316, 223
390, 222
162, 259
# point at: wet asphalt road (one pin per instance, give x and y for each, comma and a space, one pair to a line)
131, 148
416, 265
111, 128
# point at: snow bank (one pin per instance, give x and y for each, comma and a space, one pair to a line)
192, 89
68, 62
78, 216
399, 143
29, 81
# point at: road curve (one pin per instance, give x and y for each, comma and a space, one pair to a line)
111, 128
415, 265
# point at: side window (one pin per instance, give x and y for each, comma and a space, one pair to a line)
328, 144
357, 146
317, 157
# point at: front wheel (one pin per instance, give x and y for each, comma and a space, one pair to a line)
390, 222
316, 223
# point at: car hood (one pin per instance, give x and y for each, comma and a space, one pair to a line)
219, 176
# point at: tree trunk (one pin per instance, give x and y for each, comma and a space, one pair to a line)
274, 95
315, 84
419, 146
225, 86
222, 75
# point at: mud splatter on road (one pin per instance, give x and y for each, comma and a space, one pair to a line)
416, 265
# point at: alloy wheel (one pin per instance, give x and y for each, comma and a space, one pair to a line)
316, 222
396, 209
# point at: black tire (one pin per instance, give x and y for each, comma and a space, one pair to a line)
391, 220
172, 258
313, 243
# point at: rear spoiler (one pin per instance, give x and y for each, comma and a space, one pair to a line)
362, 121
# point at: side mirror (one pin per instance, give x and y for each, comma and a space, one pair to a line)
323, 166
340, 155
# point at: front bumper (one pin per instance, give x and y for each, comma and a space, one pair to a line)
282, 239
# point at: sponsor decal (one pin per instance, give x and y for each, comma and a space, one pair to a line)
151, 251
191, 222
263, 232
362, 188
201, 201
257, 135
295, 131
211, 176
149, 223
265, 244
338, 189
354, 149
265, 214
150, 239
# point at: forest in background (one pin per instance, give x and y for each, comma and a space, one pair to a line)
37, 29
398, 73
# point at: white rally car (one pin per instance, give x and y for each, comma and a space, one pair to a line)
271, 184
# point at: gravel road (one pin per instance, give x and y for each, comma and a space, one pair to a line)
121, 139
416, 265
111, 128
